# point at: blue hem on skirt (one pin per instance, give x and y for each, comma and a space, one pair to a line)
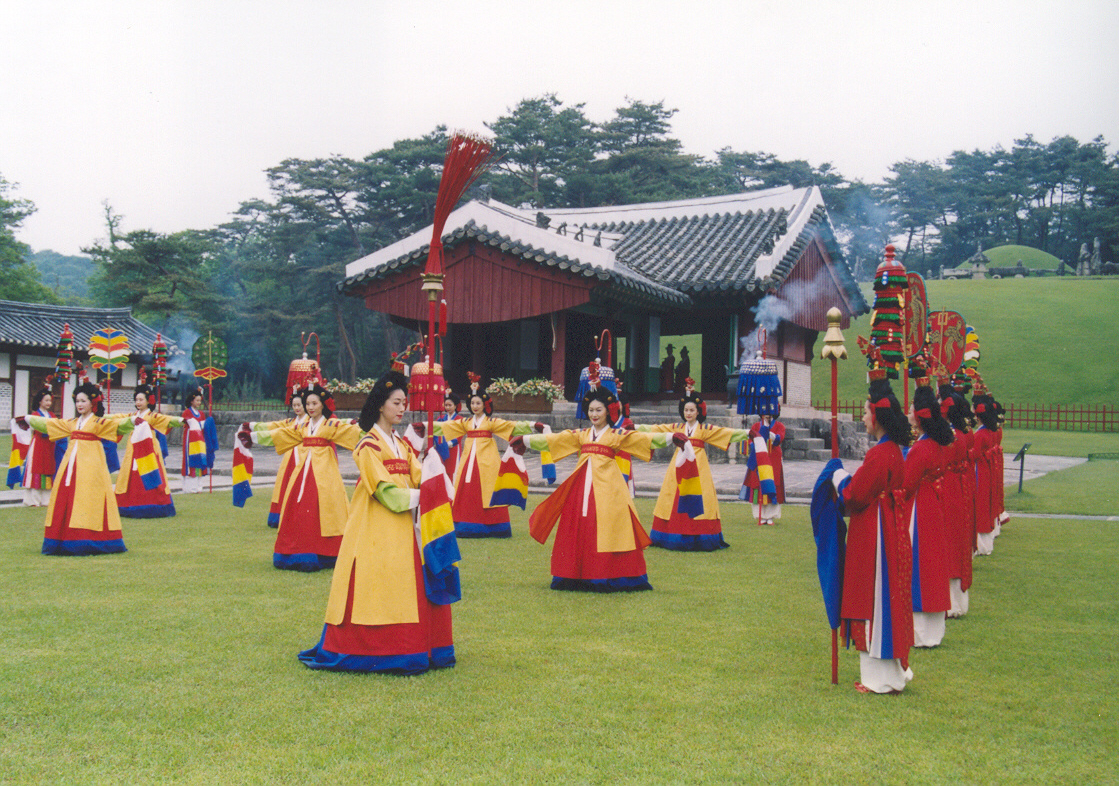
674, 542
148, 511
404, 665
305, 563
466, 529
82, 548
619, 584
273, 520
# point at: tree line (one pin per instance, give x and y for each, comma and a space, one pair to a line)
270, 271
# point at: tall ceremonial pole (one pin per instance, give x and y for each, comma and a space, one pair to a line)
835, 351
467, 157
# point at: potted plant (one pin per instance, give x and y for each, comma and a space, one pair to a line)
350, 396
534, 395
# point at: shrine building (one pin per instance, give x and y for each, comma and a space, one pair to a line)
529, 291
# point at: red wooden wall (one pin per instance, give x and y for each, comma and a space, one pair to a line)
483, 285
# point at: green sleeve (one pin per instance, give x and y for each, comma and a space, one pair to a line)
523, 427
537, 442
37, 422
395, 498
739, 435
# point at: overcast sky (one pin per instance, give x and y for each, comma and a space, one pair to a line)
172, 109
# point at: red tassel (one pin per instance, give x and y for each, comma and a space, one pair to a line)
467, 158
442, 318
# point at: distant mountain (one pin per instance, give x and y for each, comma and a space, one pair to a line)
67, 276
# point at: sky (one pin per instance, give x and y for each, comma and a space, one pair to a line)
171, 110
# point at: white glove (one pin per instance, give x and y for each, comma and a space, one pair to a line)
838, 477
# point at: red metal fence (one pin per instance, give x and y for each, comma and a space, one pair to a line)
1054, 417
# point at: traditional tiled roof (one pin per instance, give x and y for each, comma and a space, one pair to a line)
516, 232
39, 325
662, 252
718, 244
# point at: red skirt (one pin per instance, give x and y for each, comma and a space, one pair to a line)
575, 553
300, 531
432, 631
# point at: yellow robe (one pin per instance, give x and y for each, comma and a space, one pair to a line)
712, 435
289, 457
486, 455
95, 504
377, 549
324, 465
613, 503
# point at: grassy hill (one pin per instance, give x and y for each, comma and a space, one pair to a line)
1032, 258
1043, 340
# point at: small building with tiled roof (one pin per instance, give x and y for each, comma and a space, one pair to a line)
29, 334
529, 290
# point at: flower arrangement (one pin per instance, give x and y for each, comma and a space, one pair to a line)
502, 386
506, 386
359, 386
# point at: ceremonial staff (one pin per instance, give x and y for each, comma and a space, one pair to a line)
210, 355
467, 157
835, 351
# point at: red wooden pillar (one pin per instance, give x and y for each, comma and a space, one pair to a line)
559, 346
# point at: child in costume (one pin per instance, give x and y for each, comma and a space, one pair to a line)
200, 443
82, 518
379, 617
671, 528
766, 508
599, 540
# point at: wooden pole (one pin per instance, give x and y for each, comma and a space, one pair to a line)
835, 656
835, 351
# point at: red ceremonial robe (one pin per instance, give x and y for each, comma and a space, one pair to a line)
877, 599
982, 443
957, 499
927, 529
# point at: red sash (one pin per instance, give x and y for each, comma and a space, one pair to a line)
698, 444
397, 466
594, 447
479, 434
316, 442
84, 435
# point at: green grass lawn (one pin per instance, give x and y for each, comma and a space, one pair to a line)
1043, 340
176, 663
1090, 489
1060, 443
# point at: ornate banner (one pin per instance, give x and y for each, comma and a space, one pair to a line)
916, 314
947, 331
210, 356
